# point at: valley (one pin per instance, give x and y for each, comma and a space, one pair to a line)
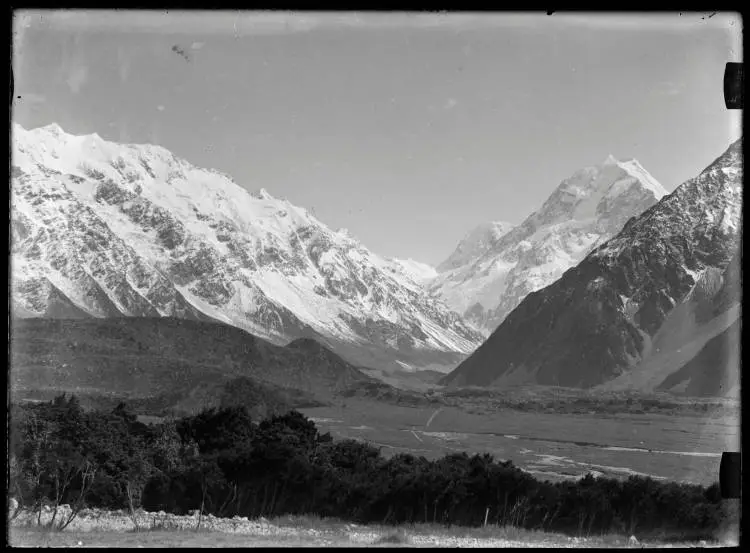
171, 367
380, 279
573, 296
679, 447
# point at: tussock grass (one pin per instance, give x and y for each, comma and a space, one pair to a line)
314, 530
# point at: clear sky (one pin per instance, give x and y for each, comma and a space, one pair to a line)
406, 129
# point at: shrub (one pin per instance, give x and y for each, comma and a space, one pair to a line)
221, 462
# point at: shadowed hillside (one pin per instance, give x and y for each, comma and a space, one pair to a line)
713, 372
171, 362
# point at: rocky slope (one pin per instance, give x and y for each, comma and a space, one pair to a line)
497, 265
696, 349
598, 320
106, 230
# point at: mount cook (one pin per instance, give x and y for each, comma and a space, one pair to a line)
496, 265
669, 277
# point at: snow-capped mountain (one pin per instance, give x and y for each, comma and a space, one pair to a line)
418, 271
105, 229
478, 241
598, 321
497, 265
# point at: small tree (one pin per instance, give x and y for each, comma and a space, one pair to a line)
140, 469
167, 447
81, 471
36, 438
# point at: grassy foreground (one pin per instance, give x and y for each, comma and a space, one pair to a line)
312, 531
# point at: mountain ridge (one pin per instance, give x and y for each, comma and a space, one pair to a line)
584, 210
134, 230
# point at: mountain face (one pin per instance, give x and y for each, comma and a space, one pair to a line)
109, 230
714, 371
497, 265
477, 242
696, 349
599, 319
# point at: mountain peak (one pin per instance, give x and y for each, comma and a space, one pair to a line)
53, 128
262, 194
580, 196
585, 210
597, 320
172, 239
728, 163
633, 168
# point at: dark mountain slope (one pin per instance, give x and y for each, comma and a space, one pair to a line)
596, 320
714, 371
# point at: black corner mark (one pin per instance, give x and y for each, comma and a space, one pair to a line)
730, 475
734, 86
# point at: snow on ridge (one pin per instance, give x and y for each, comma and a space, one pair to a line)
194, 187
477, 241
244, 243
636, 170
582, 212
420, 272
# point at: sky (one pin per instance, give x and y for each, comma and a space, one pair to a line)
407, 129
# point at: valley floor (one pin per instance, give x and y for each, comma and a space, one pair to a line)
551, 446
116, 530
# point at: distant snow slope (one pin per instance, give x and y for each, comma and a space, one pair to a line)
478, 241
109, 229
420, 272
497, 265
